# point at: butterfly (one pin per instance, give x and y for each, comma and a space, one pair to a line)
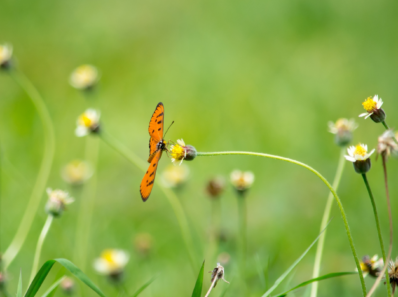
156, 147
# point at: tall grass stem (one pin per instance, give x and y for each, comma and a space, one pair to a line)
39, 246
346, 226
325, 220
242, 232
372, 200
170, 195
44, 171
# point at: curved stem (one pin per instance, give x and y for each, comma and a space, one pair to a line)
347, 228
44, 171
39, 245
386, 259
170, 195
325, 220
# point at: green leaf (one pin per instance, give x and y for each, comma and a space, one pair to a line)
286, 273
143, 287
197, 291
45, 269
52, 289
326, 276
19, 290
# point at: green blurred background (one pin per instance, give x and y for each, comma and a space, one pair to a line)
252, 75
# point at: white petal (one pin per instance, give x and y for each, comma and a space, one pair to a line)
235, 175
101, 266
369, 114
363, 114
181, 142
349, 158
379, 104
81, 131
121, 258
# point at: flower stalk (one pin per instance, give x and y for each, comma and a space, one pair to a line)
44, 171
325, 220
384, 271
347, 228
365, 179
39, 245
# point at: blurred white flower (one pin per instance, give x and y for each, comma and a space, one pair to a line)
174, 176
111, 262
88, 122
57, 201
387, 144
393, 274
84, 77
342, 125
371, 266
5, 54
76, 172
242, 180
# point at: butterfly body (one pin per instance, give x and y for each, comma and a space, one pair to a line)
156, 147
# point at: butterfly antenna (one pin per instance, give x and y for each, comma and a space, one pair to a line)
168, 129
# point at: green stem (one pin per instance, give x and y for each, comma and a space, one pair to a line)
347, 228
39, 245
87, 205
242, 232
325, 220
44, 171
385, 125
365, 179
170, 195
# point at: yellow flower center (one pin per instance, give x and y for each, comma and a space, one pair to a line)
359, 150
369, 105
85, 120
107, 255
177, 152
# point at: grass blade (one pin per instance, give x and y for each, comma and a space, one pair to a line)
197, 291
326, 276
45, 269
143, 287
19, 290
286, 273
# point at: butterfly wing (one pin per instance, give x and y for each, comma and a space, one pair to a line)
149, 177
156, 127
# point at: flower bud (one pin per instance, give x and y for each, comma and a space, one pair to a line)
57, 201
362, 167
215, 187
68, 285
143, 244
5, 56
378, 115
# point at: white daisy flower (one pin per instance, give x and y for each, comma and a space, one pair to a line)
111, 261
371, 105
358, 153
242, 180
174, 176
84, 77
5, 54
77, 172
88, 122
342, 125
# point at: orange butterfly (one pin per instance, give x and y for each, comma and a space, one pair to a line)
156, 147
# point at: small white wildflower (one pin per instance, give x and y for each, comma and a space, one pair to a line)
88, 122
